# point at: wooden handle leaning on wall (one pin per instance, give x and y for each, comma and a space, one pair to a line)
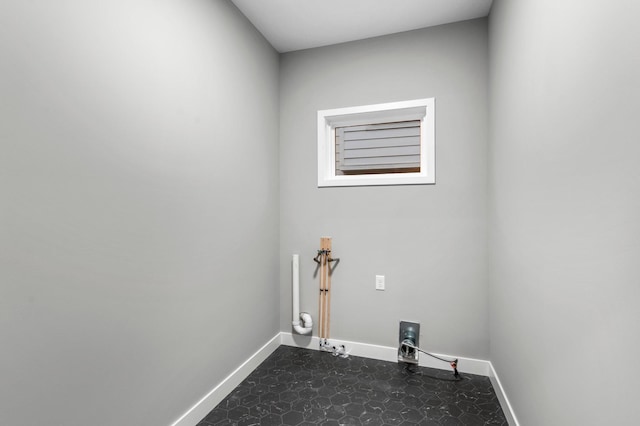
325, 287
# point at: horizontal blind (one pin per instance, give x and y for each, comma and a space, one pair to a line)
378, 148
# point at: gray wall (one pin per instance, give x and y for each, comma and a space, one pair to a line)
138, 259
429, 241
565, 209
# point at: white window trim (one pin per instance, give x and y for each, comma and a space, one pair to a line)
328, 120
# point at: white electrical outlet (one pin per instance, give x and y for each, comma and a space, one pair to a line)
379, 282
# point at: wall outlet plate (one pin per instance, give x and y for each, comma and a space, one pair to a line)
379, 282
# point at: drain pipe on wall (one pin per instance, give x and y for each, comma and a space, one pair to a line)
307, 322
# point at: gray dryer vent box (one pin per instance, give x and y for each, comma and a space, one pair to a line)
409, 336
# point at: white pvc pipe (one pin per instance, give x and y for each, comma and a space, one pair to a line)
307, 323
295, 266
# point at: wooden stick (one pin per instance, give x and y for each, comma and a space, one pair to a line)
326, 296
321, 301
325, 245
328, 284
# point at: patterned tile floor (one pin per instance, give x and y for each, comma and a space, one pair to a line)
296, 386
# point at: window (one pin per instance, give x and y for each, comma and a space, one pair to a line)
383, 144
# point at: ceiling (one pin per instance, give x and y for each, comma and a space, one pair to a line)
301, 24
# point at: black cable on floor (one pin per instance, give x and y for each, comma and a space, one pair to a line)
453, 363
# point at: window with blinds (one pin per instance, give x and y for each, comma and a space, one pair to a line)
382, 144
378, 148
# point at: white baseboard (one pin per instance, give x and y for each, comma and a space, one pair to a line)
196, 413
388, 353
385, 353
502, 397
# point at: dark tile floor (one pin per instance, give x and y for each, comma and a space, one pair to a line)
303, 387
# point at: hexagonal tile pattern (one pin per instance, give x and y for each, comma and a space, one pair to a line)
296, 386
